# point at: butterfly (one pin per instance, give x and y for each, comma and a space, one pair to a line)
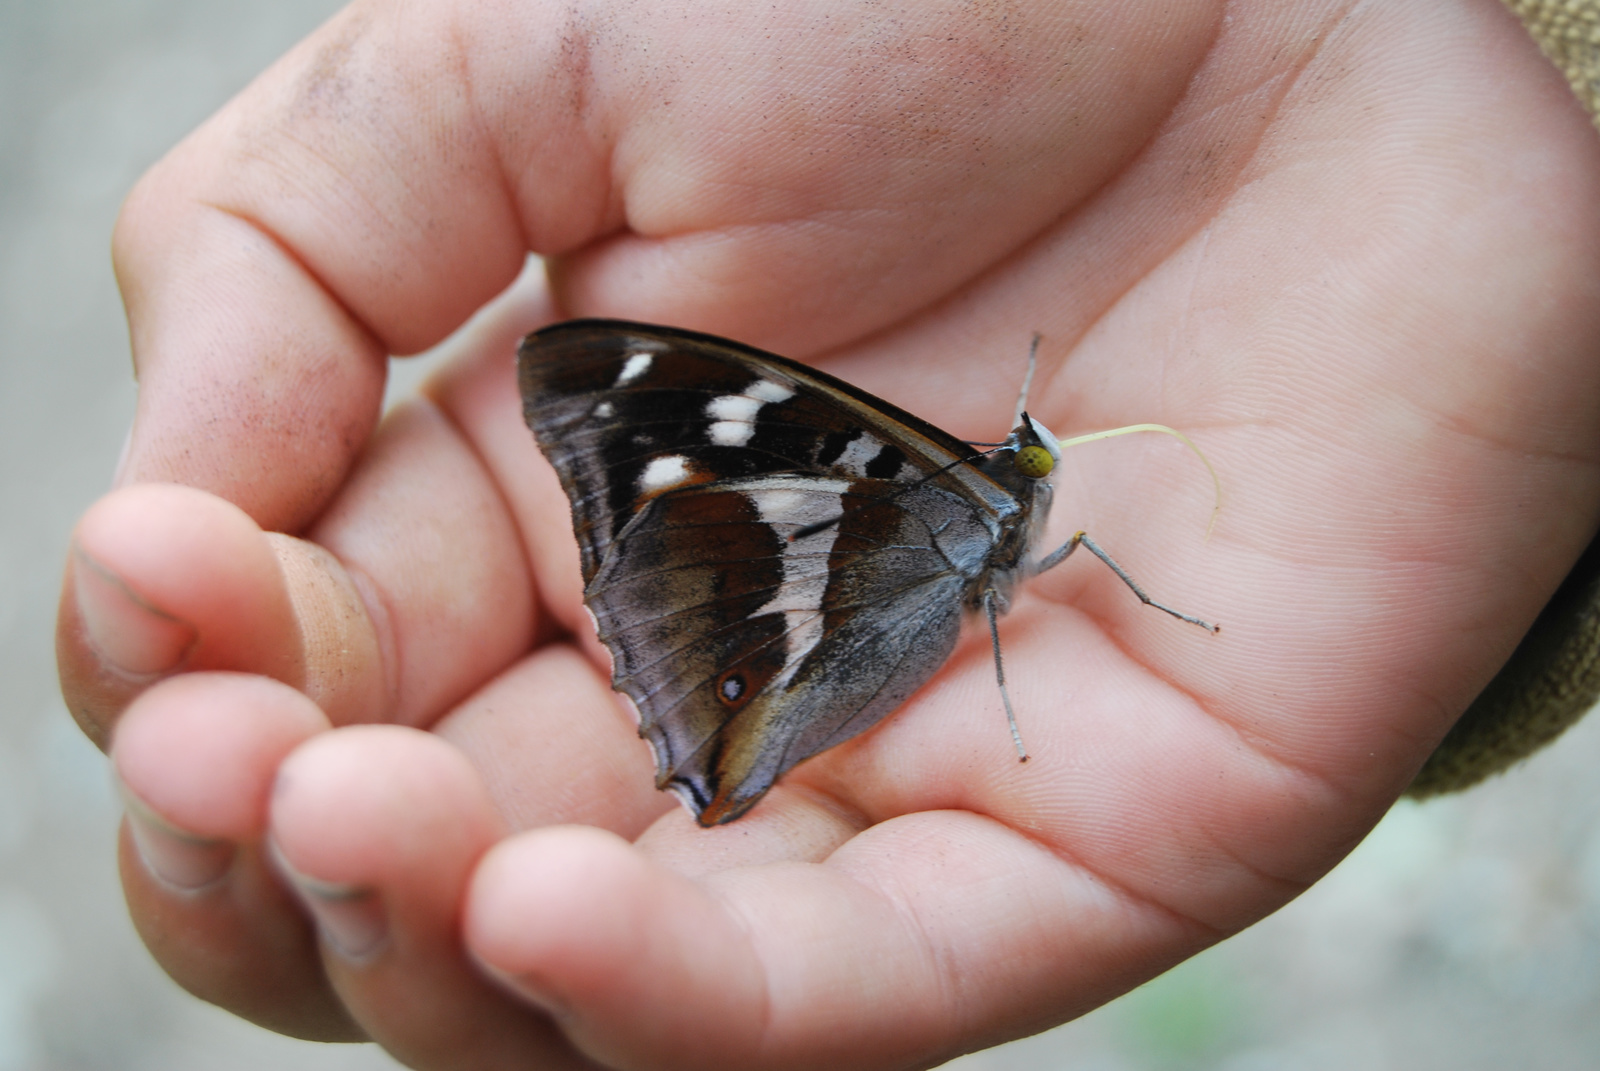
775, 559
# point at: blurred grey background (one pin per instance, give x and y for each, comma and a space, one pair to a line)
1462, 935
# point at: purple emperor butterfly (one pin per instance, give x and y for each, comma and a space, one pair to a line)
775, 559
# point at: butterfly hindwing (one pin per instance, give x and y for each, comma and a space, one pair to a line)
747, 651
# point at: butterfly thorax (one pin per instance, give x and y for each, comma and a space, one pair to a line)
1025, 478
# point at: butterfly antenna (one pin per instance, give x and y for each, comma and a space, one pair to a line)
993, 613
1027, 380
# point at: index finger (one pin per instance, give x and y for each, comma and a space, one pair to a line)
274, 259
388, 176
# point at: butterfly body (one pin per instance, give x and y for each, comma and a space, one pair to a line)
775, 559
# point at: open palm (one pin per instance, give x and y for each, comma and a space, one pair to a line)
1351, 253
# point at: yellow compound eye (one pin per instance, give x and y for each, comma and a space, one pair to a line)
1034, 462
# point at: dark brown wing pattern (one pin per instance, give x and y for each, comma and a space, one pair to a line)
691, 464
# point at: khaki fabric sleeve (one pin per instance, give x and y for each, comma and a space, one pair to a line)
1568, 31
1553, 677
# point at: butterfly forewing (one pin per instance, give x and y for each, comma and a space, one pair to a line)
624, 410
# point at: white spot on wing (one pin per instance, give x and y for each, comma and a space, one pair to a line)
636, 365
862, 449
604, 411
732, 432
765, 390
733, 407
733, 416
805, 562
664, 473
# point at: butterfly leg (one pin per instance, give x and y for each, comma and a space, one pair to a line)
1061, 554
991, 608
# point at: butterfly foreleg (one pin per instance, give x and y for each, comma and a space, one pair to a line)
992, 610
1062, 553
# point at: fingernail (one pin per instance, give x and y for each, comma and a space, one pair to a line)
126, 632
183, 861
349, 917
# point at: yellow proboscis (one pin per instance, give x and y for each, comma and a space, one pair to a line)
1216, 482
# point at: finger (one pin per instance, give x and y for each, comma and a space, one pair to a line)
271, 261
196, 757
477, 392
426, 538
585, 877
793, 823
384, 881
922, 938
897, 182
163, 579
160, 578
553, 744
254, 383
422, 593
